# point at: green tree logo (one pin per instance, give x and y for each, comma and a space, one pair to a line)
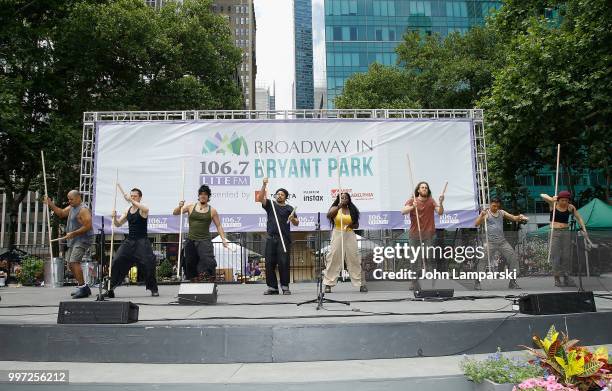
236, 145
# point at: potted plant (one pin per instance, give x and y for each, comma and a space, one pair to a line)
31, 271
573, 366
497, 372
165, 271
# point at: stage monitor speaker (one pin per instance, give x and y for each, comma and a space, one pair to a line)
97, 312
557, 303
197, 293
434, 293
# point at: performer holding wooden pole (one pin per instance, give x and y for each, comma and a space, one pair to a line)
200, 263
278, 243
136, 248
421, 208
79, 237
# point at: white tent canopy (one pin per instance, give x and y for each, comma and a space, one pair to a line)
233, 258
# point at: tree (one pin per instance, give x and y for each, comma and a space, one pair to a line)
381, 87
59, 58
553, 89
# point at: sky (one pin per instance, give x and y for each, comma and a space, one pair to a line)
275, 48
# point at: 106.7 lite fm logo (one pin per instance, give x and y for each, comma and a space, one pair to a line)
224, 169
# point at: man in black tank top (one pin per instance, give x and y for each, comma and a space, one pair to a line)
136, 247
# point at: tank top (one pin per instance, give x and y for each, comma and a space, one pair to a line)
199, 224
560, 216
137, 225
346, 221
495, 226
73, 224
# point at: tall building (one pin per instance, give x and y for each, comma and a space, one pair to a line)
361, 32
262, 98
241, 17
304, 79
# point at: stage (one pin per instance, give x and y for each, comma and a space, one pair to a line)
247, 327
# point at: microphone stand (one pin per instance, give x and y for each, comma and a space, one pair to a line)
101, 257
320, 292
574, 246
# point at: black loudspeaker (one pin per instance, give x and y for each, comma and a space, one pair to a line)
197, 293
92, 312
434, 293
557, 303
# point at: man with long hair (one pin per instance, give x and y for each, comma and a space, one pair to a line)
423, 230
344, 218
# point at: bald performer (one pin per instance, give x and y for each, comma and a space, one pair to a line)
79, 237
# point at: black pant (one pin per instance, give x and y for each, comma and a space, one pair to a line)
276, 256
131, 252
199, 259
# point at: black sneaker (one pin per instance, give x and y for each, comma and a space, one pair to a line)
155, 294
327, 289
109, 294
363, 289
82, 293
271, 292
286, 292
477, 286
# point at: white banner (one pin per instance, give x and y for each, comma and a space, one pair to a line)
309, 158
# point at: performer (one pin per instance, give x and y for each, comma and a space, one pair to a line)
496, 240
426, 207
200, 264
79, 237
344, 217
561, 250
275, 254
136, 248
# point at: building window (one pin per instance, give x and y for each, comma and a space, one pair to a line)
337, 33
379, 35
542, 180
353, 33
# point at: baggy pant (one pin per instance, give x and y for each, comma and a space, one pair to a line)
276, 257
131, 252
333, 261
561, 251
199, 259
506, 251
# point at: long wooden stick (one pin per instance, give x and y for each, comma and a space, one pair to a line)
180, 244
42, 157
486, 227
415, 204
552, 222
273, 207
341, 224
112, 243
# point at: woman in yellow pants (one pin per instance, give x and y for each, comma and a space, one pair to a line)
344, 217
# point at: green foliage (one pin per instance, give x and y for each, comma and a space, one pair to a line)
541, 82
164, 270
499, 369
31, 270
380, 88
59, 58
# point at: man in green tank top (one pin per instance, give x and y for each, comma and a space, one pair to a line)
200, 264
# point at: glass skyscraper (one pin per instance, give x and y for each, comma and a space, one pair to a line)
361, 32
304, 78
